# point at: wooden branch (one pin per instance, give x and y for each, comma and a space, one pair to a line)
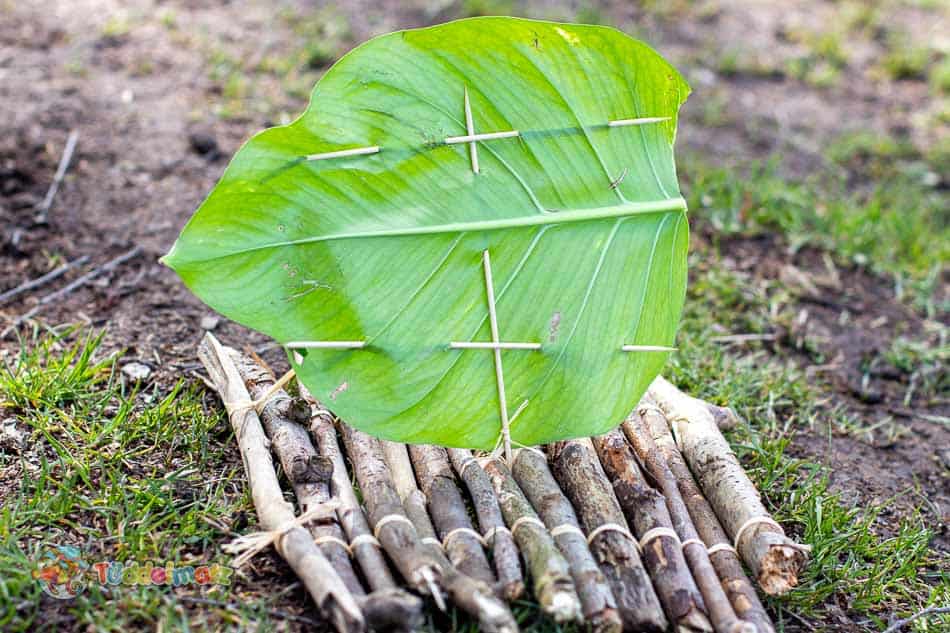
551, 577
473, 596
738, 588
12, 293
774, 559
386, 514
721, 613
386, 598
530, 470
646, 510
310, 475
43, 207
293, 542
80, 281
449, 513
582, 478
491, 522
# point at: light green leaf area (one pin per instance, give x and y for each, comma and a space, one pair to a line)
584, 224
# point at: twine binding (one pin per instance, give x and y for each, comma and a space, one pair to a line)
248, 546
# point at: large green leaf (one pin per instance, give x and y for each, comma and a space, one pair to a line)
387, 248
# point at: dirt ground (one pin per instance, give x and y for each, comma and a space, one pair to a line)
157, 121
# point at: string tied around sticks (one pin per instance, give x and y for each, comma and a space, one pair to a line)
721, 547
658, 532
527, 520
389, 518
460, 531
611, 527
248, 546
765, 520
567, 528
258, 405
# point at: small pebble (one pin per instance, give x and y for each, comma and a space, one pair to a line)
136, 371
209, 322
203, 143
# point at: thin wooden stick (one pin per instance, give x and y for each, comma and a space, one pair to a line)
43, 208
551, 576
646, 348
325, 344
721, 613
386, 514
640, 121
470, 128
310, 475
76, 283
472, 596
363, 545
646, 512
491, 522
582, 478
488, 136
12, 293
461, 543
492, 345
356, 151
293, 543
724, 558
530, 470
774, 559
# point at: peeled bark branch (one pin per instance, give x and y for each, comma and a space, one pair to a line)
582, 478
530, 470
736, 584
774, 559
386, 514
449, 512
295, 544
473, 596
490, 520
310, 475
551, 577
646, 510
387, 606
723, 617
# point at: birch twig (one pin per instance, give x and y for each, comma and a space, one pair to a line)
473, 596
549, 571
310, 475
582, 478
530, 470
491, 522
646, 512
292, 542
724, 558
774, 559
448, 511
721, 613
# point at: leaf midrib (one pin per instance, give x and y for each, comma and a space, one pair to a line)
677, 204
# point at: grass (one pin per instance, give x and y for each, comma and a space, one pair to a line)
150, 475
895, 225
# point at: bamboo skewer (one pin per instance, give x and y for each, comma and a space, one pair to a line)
310, 476
551, 577
462, 544
724, 558
774, 559
530, 470
582, 478
721, 613
473, 596
292, 542
491, 522
646, 512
